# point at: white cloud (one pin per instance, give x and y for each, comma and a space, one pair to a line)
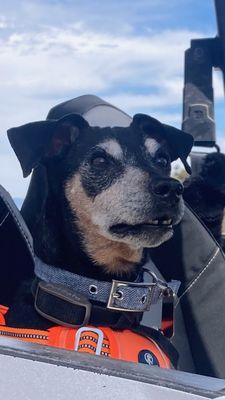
218, 85
5, 22
221, 143
42, 68
56, 64
103, 16
11, 175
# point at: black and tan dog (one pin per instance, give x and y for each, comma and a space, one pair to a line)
109, 197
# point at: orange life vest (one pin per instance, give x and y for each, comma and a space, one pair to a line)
123, 345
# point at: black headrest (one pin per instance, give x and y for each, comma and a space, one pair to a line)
96, 111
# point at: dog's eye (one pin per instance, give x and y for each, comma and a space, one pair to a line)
98, 160
162, 161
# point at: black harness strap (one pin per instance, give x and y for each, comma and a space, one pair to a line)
63, 306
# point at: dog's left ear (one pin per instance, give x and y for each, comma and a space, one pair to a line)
180, 142
35, 141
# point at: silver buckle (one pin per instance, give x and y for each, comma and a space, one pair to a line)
116, 293
161, 284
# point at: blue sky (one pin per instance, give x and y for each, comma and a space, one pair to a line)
128, 52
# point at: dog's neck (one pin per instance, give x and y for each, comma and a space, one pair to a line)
113, 257
100, 258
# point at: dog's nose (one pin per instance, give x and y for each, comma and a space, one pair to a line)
168, 188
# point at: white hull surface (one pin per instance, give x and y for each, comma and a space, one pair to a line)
33, 372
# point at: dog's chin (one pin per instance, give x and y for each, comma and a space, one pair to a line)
150, 231
141, 235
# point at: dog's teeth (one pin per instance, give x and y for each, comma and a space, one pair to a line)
160, 222
167, 222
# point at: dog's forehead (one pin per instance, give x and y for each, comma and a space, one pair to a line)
152, 145
120, 141
117, 150
112, 147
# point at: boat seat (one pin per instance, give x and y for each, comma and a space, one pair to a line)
191, 256
198, 262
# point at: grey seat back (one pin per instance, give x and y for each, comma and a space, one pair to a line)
193, 257
16, 250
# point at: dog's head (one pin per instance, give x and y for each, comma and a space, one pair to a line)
116, 181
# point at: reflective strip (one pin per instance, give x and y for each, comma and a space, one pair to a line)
23, 335
92, 340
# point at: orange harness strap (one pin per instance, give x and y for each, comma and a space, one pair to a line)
123, 345
3, 312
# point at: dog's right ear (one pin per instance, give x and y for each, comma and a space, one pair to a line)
35, 141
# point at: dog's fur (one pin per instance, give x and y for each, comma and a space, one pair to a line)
205, 193
106, 188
